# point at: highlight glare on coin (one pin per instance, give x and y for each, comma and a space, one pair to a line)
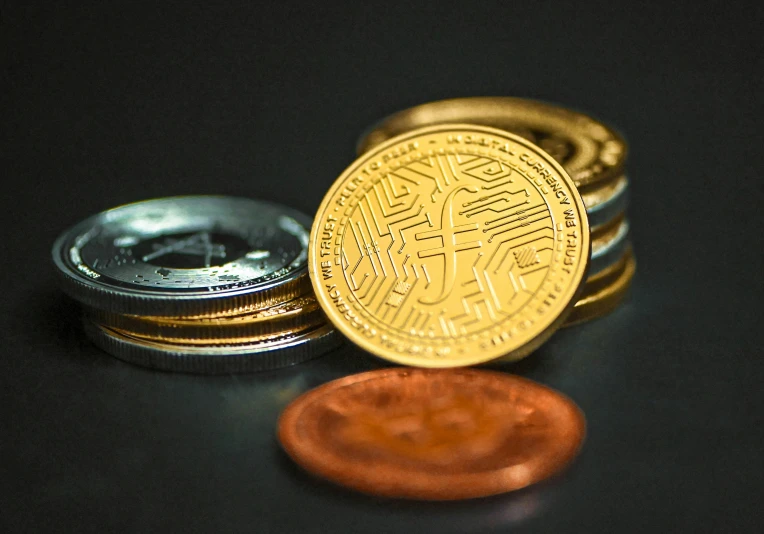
186, 256
233, 356
295, 315
432, 434
448, 246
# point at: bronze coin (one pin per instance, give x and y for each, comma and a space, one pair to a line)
432, 434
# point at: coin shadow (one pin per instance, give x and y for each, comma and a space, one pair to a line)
342, 361
525, 366
508, 509
348, 359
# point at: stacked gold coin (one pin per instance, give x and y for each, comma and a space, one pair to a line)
593, 154
196, 284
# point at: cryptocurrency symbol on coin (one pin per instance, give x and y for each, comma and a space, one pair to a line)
186, 256
450, 245
197, 245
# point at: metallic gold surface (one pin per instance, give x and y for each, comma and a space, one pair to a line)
608, 276
588, 305
448, 246
590, 151
236, 307
432, 434
596, 303
222, 339
291, 316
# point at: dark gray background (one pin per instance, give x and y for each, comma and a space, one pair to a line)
117, 102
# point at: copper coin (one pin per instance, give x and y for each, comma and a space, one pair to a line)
432, 434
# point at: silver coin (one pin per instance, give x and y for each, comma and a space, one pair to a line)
611, 207
185, 255
610, 252
288, 350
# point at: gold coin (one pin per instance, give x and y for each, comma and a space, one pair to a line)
450, 245
222, 340
607, 276
260, 300
238, 356
590, 151
291, 316
588, 306
604, 300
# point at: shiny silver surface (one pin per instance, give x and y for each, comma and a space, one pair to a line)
603, 212
184, 255
215, 359
611, 252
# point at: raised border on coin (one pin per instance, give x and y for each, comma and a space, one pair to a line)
512, 338
84, 284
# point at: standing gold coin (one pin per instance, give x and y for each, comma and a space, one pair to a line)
450, 245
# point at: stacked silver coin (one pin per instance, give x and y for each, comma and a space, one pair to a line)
200, 284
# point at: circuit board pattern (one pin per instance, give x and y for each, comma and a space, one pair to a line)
447, 244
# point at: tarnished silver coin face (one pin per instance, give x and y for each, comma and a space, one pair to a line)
175, 256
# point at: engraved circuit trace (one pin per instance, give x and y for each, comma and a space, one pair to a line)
451, 245
436, 247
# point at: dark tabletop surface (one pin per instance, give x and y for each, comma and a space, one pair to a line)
117, 102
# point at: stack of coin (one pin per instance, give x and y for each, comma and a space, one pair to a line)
201, 284
445, 246
593, 154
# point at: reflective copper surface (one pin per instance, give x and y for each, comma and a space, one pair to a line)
432, 434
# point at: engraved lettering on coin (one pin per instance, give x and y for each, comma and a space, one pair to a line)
450, 245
